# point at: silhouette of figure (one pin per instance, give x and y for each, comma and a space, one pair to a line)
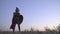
17, 19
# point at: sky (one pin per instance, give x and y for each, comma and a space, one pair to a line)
36, 13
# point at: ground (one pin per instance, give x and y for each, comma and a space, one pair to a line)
29, 32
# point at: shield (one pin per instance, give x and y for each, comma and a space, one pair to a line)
20, 19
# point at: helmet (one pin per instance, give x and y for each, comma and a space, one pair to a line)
17, 9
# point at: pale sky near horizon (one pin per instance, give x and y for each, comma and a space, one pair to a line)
35, 12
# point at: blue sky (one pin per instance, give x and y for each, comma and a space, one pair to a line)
35, 12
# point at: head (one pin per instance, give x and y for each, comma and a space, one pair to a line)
17, 9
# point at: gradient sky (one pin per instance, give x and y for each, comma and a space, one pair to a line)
35, 12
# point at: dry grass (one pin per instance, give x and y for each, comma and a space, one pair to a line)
29, 32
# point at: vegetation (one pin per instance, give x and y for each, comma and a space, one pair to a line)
32, 31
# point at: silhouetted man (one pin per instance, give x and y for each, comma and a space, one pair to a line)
17, 19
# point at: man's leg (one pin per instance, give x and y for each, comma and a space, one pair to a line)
59, 31
19, 27
13, 30
14, 27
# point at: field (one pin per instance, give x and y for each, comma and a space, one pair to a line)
29, 32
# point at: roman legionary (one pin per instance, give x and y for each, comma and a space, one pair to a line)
17, 19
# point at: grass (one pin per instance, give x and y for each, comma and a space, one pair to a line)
29, 32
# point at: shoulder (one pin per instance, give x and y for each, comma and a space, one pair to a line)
21, 15
16, 13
